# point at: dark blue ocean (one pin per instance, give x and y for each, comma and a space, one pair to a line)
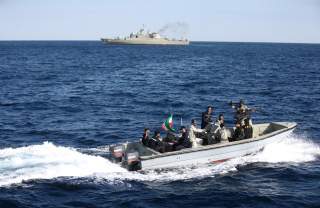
61, 103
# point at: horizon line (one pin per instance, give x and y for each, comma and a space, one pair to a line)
196, 41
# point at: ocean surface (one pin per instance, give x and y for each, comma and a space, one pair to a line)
62, 102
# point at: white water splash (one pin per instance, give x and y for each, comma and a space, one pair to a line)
48, 161
290, 150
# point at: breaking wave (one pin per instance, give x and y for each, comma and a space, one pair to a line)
47, 161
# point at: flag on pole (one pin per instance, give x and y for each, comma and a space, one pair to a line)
168, 124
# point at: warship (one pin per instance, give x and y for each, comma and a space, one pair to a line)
143, 37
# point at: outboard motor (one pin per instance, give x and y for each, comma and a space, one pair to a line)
132, 162
117, 153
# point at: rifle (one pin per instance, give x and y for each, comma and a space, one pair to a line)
256, 110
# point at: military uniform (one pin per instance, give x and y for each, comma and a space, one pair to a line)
206, 119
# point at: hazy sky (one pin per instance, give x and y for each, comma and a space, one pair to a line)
224, 20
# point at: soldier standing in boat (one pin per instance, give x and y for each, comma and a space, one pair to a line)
145, 138
206, 117
242, 112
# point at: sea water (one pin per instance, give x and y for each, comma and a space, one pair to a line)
61, 101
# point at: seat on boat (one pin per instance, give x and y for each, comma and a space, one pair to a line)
266, 128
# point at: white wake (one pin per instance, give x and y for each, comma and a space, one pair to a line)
292, 149
47, 161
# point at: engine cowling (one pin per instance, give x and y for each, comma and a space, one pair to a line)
133, 162
117, 153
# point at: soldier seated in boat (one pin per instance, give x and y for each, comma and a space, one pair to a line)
220, 120
212, 131
215, 129
170, 137
169, 141
238, 133
183, 141
156, 142
209, 136
223, 134
206, 117
195, 134
248, 130
220, 132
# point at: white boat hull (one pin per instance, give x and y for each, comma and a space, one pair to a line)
263, 134
215, 155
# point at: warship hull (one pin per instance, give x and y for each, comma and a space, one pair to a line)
144, 42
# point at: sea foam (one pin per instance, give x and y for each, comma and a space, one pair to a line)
47, 161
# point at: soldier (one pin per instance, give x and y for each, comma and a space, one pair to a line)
206, 117
238, 133
220, 132
145, 138
248, 130
242, 112
183, 141
192, 134
156, 142
220, 120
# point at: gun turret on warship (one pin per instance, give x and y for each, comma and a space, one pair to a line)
143, 37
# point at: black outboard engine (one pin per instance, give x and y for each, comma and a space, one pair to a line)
132, 161
117, 152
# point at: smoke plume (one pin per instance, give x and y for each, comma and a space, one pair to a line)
175, 29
